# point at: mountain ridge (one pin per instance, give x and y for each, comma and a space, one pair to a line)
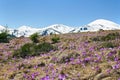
62, 29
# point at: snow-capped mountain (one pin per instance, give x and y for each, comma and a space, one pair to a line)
103, 24
2, 28
61, 29
26, 31
53, 29
98, 25
56, 29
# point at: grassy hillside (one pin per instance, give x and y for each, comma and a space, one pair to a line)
76, 56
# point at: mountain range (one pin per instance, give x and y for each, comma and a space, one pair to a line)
100, 24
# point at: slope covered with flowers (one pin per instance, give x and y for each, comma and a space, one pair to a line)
79, 56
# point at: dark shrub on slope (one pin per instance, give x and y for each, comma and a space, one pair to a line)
25, 50
34, 37
30, 49
44, 47
4, 37
55, 39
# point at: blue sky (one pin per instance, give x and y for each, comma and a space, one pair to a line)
42, 13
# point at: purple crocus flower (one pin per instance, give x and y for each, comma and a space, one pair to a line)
71, 59
115, 66
116, 59
118, 78
108, 71
46, 78
33, 76
62, 76
92, 49
84, 53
